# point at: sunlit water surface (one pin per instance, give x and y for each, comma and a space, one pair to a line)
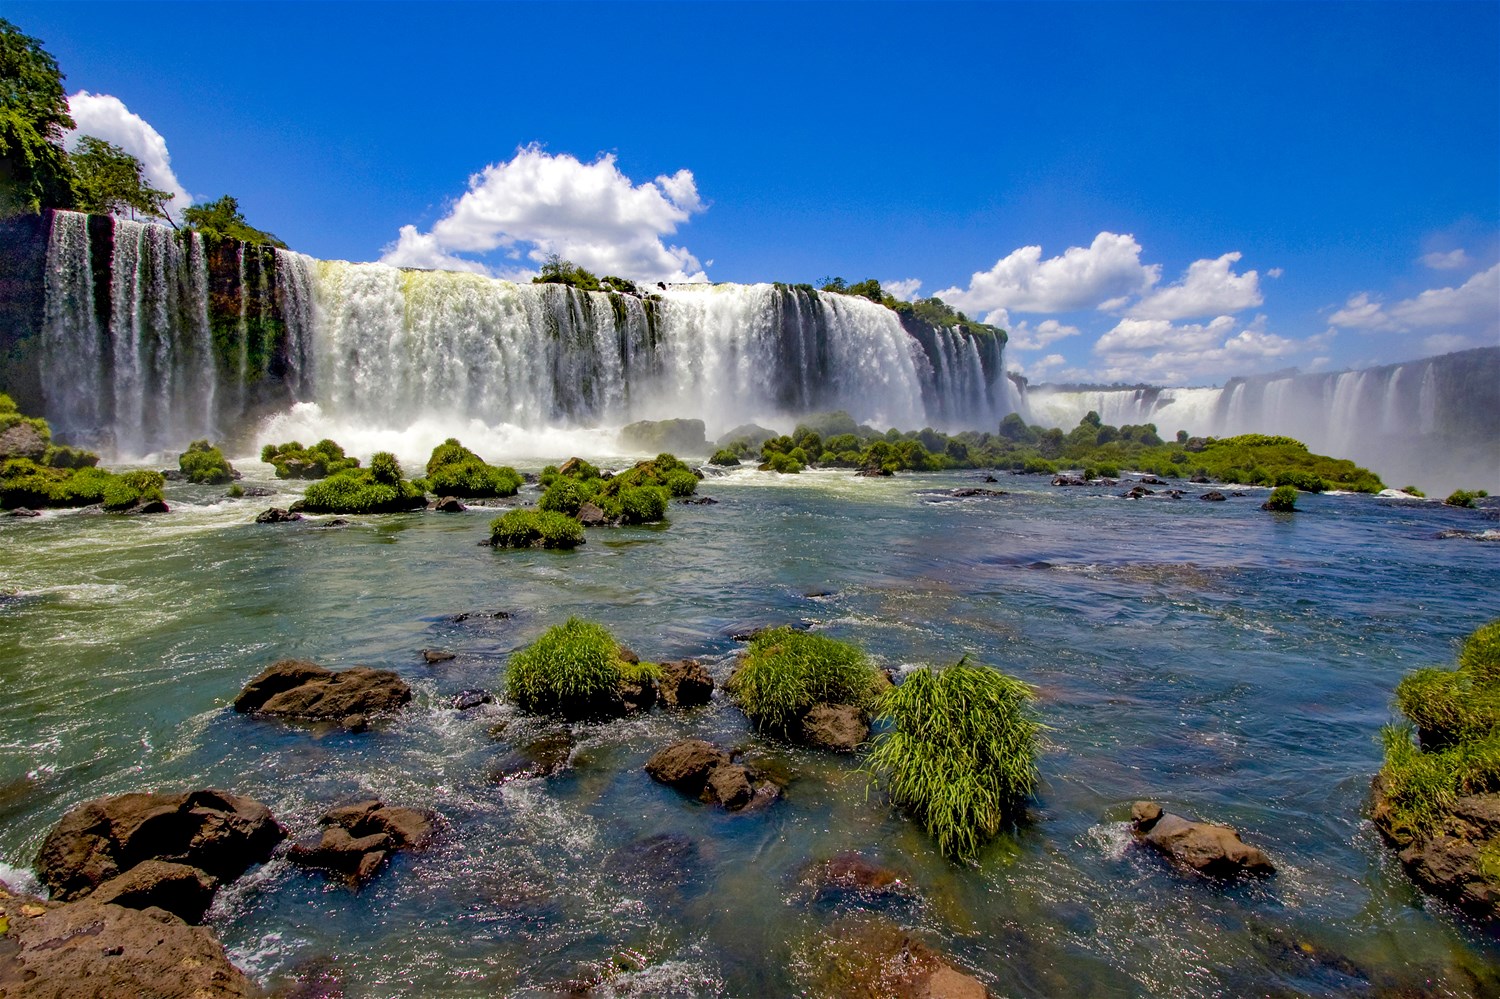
1233, 664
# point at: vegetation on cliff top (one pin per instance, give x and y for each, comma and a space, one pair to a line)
932, 312
224, 220
958, 752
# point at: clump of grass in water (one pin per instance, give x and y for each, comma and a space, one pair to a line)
535, 529
570, 667
785, 672
960, 752
1456, 716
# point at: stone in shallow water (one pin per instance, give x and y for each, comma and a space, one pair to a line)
180, 889
295, 689
358, 839
1209, 849
685, 683
839, 728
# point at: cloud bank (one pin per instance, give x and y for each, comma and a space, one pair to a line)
537, 203
106, 117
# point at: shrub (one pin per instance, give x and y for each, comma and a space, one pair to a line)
454, 470
534, 529
681, 483
785, 672
642, 504
960, 752
1305, 481
1283, 500
571, 670
205, 464
293, 461
725, 457
377, 489
1464, 497
124, 491
236, 491
1456, 716
1413, 491
563, 496
779, 461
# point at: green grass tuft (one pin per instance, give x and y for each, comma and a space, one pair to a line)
454, 470
205, 464
1283, 499
570, 670
377, 489
786, 672
535, 529
960, 752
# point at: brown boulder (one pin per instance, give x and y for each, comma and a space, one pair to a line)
276, 515
449, 504
1201, 846
706, 772
866, 957
22, 441
841, 728
357, 839
294, 689
590, 515
685, 683
89, 949
219, 833
730, 786
184, 891
1446, 860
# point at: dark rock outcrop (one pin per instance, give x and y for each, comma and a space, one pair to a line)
358, 839
434, 656
1069, 480
23, 441
180, 889
466, 699
1200, 846
449, 504
704, 771
21, 511
144, 507
219, 833
840, 728
1213, 496
56, 950
1137, 492
543, 756
276, 515
295, 689
1446, 860
684, 683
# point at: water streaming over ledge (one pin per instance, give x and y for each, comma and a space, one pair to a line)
151, 338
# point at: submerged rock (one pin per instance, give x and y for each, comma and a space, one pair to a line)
466, 699
869, 957
541, 757
295, 689
840, 728
434, 656
219, 833
1201, 846
358, 839
57, 950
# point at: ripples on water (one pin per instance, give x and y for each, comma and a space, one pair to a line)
1234, 664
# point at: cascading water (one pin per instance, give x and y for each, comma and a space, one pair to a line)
1432, 422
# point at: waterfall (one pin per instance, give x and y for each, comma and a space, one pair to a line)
1432, 422
72, 347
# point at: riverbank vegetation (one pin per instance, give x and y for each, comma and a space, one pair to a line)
1095, 448
36, 473
958, 752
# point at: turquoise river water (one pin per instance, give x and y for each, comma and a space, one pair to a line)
1233, 664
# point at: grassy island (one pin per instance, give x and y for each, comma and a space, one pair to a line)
381, 488
454, 470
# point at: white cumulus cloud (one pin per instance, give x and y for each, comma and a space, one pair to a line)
1209, 288
905, 289
106, 117
537, 203
1472, 308
1450, 261
1159, 351
1105, 272
1024, 336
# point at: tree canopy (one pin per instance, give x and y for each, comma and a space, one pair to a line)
110, 181
34, 171
556, 270
223, 218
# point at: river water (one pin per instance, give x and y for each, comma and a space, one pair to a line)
1233, 664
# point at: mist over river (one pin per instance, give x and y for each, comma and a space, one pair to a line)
1233, 664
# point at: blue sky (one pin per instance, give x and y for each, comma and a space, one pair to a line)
1171, 193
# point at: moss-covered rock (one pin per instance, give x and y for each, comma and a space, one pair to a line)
377, 489
1437, 797
454, 470
205, 464
293, 461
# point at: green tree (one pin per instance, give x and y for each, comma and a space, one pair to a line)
222, 218
111, 182
556, 270
34, 172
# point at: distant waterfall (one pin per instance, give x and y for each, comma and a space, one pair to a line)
1434, 422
